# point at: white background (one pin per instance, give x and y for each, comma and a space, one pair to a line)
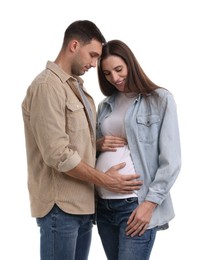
165, 36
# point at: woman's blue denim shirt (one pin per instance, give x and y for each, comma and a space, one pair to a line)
153, 137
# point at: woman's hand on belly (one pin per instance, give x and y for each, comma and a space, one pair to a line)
110, 143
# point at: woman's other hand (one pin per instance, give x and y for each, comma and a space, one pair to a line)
110, 143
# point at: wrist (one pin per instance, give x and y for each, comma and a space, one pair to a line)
151, 204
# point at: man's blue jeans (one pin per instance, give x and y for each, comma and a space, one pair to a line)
65, 236
112, 216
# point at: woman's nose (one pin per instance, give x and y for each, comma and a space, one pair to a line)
114, 76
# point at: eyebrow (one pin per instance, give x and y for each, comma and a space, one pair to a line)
95, 54
118, 66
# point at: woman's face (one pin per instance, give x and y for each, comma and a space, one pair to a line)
115, 71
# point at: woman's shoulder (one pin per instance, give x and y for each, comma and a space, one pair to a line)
162, 92
163, 97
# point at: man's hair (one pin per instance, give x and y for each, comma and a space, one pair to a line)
84, 31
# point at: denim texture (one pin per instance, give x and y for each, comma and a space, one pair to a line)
151, 125
65, 236
112, 217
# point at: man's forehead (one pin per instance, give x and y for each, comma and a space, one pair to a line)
95, 46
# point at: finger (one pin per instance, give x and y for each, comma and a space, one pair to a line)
132, 226
131, 218
143, 230
111, 137
119, 141
135, 230
131, 177
137, 185
132, 229
129, 188
132, 184
119, 166
113, 140
113, 144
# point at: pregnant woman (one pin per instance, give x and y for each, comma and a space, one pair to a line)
137, 124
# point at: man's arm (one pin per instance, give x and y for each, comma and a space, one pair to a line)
111, 179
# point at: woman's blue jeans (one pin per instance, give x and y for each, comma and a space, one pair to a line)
112, 216
65, 236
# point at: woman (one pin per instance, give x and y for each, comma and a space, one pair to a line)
143, 115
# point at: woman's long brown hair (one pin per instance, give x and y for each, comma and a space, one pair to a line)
137, 81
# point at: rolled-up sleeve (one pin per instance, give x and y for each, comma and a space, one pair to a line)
47, 120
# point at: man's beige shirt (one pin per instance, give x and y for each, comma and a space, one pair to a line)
59, 134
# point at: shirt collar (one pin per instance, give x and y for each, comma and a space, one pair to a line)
64, 77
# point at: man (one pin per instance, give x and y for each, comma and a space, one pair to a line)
59, 119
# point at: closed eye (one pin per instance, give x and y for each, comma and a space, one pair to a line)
117, 69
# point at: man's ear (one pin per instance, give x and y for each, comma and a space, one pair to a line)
73, 45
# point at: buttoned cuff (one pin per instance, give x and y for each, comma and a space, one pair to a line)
69, 163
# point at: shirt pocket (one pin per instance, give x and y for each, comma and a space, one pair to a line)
75, 117
148, 128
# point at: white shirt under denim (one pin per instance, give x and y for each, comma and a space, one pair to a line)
114, 125
152, 132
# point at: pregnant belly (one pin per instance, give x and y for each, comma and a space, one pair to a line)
108, 159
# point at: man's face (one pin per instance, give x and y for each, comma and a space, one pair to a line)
86, 56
